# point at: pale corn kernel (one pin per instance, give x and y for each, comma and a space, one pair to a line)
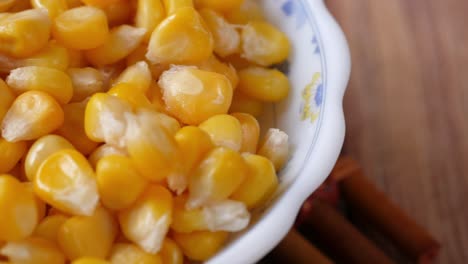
105, 119
40, 205
172, 6
81, 28
260, 183
147, 221
193, 95
73, 128
88, 236
131, 94
220, 6
121, 42
264, 44
6, 4
24, 33
36, 78
250, 10
269, 85
213, 64
154, 118
125, 253
74, 3
41, 150
20, 5
225, 36
49, 226
149, 13
275, 147
10, 154
76, 58
137, 75
7, 97
104, 151
224, 130
116, 173
171, 253
99, 3
118, 13
242, 103
181, 38
216, 178
86, 82
200, 245
32, 115
19, 210
250, 132
66, 181
32, 250
53, 7
89, 260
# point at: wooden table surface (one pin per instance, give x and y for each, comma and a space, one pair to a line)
407, 108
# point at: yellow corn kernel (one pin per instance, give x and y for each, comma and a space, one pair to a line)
250, 132
131, 94
242, 103
74, 3
52, 81
193, 95
122, 41
181, 38
6, 4
275, 147
213, 64
73, 128
149, 14
170, 252
7, 97
20, 5
147, 221
168, 123
172, 6
137, 75
49, 226
216, 178
125, 253
264, 44
260, 183
116, 173
200, 245
225, 36
41, 150
105, 119
32, 115
88, 260
104, 151
86, 82
81, 28
76, 58
24, 33
186, 220
269, 85
53, 7
18, 207
32, 250
220, 6
139, 54
88, 236
118, 13
99, 3
238, 62
224, 130
66, 181
250, 10
40, 205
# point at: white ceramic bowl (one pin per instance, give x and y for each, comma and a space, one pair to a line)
312, 116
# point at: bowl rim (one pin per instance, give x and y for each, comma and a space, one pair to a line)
328, 143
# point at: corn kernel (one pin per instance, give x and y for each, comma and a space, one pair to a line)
193, 95
225, 36
200, 245
10, 154
118, 13
224, 130
7, 97
216, 178
32, 250
99, 3
264, 44
250, 132
170, 252
20, 5
275, 147
52, 81
220, 6
66, 181
269, 85
74, 3
138, 75
41, 150
131, 94
40, 205
104, 151
76, 58
186, 220
213, 64
127, 253
73, 128
149, 14
147, 221
122, 41
111, 72
139, 54
86, 82
32, 115
238, 62
24, 33
150, 117
242, 103
115, 173
173, 5
18, 207
156, 98
49, 226
249, 11
53, 7
6, 4
88, 260
181, 38
88, 236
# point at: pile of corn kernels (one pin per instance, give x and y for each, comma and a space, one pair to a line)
129, 130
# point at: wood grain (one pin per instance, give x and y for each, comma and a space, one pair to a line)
407, 108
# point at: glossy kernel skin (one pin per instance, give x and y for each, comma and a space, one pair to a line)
172, 6
242, 103
124, 253
86, 82
268, 85
53, 7
33, 250
224, 130
200, 245
250, 132
149, 13
48, 228
138, 75
171, 253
